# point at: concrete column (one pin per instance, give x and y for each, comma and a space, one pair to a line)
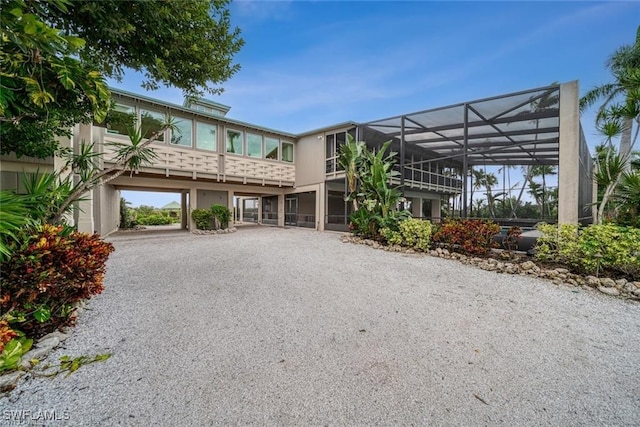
84, 207
416, 207
231, 206
281, 210
240, 209
321, 197
193, 204
569, 156
260, 210
435, 210
184, 210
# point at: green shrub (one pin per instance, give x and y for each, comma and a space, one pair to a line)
221, 214
470, 236
154, 219
202, 218
392, 237
48, 273
592, 249
416, 233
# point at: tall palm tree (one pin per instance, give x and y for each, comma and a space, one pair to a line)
543, 171
621, 99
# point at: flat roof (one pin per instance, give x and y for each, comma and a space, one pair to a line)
519, 128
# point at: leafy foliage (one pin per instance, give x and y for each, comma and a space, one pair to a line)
470, 236
48, 274
13, 216
13, 351
414, 233
203, 218
45, 88
6, 334
221, 214
592, 249
155, 219
189, 45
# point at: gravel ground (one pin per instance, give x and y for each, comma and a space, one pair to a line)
291, 327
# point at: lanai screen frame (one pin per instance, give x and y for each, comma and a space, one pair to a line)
519, 128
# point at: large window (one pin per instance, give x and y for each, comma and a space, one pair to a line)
234, 142
151, 122
254, 145
181, 134
119, 119
271, 147
287, 152
333, 142
206, 136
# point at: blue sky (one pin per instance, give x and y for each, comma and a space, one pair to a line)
308, 64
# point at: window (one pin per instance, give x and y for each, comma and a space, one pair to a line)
234, 142
287, 152
254, 145
181, 134
330, 151
151, 122
119, 119
271, 146
206, 136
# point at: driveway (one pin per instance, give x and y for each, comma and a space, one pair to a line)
272, 326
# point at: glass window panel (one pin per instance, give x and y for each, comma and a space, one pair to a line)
341, 139
181, 134
206, 136
120, 118
287, 152
254, 145
330, 145
151, 122
271, 146
234, 142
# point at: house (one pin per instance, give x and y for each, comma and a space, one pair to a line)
280, 178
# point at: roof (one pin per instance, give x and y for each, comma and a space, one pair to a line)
172, 206
207, 102
326, 128
519, 128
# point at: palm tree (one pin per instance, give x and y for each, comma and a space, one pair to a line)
543, 171
621, 99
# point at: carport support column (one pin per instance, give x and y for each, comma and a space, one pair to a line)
435, 210
416, 207
569, 156
184, 217
320, 206
280, 210
84, 207
193, 204
231, 207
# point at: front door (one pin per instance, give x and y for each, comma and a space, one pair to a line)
291, 211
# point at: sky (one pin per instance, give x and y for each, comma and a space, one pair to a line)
310, 64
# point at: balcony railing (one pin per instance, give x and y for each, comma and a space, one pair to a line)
186, 161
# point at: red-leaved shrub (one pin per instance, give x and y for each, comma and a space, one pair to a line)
469, 236
48, 274
6, 334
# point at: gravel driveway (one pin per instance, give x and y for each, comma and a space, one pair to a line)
292, 327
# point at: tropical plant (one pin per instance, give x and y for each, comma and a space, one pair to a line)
49, 272
350, 158
221, 214
627, 196
470, 236
202, 218
14, 215
620, 99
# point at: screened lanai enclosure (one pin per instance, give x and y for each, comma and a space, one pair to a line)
451, 150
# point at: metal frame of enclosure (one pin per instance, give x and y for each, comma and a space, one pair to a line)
533, 127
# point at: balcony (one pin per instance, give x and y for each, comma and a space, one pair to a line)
179, 161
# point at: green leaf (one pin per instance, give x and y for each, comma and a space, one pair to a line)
42, 313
